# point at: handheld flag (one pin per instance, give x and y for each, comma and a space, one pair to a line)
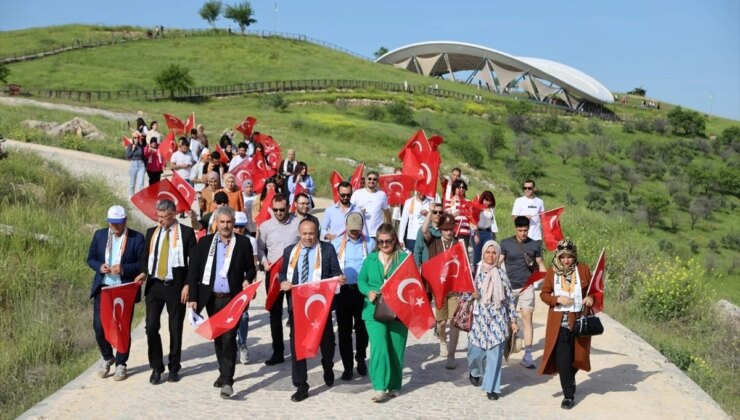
246, 126
187, 192
273, 289
116, 311
264, 214
552, 233
356, 178
173, 123
597, 283
335, 180
533, 278
405, 295
398, 187
309, 319
146, 200
448, 272
229, 316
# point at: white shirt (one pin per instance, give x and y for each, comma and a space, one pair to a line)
372, 205
488, 220
180, 158
236, 160
412, 219
195, 149
524, 206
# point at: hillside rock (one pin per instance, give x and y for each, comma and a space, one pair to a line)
729, 312
39, 125
78, 127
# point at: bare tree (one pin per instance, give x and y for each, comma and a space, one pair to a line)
566, 150
702, 208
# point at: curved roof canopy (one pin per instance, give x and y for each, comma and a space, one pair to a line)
543, 79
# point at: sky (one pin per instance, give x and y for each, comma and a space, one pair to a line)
684, 52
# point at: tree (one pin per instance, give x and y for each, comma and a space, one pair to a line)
702, 208
4, 73
241, 14
210, 11
494, 141
686, 122
638, 91
566, 150
380, 52
174, 78
654, 203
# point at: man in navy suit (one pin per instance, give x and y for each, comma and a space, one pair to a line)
114, 255
301, 269
221, 265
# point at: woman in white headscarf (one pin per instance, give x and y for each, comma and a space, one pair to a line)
494, 313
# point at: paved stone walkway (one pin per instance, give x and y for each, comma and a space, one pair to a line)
630, 379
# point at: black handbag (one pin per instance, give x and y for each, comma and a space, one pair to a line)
588, 325
383, 312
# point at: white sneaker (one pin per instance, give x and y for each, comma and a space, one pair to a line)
121, 373
442, 349
393, 393
379, 396
104, 367
244, 355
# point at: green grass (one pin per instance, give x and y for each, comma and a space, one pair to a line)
47, 331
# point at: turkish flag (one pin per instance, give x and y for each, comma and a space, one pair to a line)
254, 169
435, 141
189, 123
168, 147
274, 286
448, 272
126, 141
272, 150
173, 123
298, 189
356, 178
471, 210
309, 320
187, 192
222, 155
597, 283
398, 187
246, 126
116, 309
533, 278
229, 316
551, 230
264, 214
335, 180
418, 145
146, 200
428, 174
404, 293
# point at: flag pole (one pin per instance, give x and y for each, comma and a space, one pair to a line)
591, 282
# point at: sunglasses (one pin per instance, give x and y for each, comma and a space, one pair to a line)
281, 210
437, 212
372, 179
527, 188
569, 247
345, 195
384, 241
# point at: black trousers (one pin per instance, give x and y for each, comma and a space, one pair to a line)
154, 176
276, 321
159, 296
106, 350
225, 344
299, 368
564, 352
348, 305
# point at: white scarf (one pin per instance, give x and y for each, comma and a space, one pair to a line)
575, 294
117, 258
212, 252
294, 262
176, 254
343, 247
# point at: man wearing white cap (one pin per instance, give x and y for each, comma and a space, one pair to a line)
241, 221
114, 255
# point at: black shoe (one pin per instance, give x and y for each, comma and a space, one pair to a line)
567, 404
362, 368
218, 383
329, 378
492, 396
475, 381
155, 377
274, 360
299, 396
173, 377
347, 375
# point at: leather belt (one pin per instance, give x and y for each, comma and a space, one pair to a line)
350, 286
484, 230
221, 295
165, 282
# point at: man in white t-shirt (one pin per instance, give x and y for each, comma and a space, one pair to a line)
373, 203
239, 157
530, 206
415, 209
181, 161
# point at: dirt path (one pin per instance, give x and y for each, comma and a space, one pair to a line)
630, 379
118, 116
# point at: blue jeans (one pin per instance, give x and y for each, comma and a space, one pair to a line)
243, 331
409, 244
136, 173
486, 363
485, 236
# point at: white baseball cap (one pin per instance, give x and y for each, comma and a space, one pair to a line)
116, 214
240, 219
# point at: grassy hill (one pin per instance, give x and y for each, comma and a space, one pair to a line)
632, 187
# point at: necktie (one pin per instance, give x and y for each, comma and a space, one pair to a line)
164, 253
304, 268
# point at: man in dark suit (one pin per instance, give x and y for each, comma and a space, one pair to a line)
164, 265
222, 265
300, 262
114, 256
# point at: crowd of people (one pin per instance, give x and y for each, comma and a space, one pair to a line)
361, 240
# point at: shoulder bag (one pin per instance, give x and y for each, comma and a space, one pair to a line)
383, 312
463, 318
587, 324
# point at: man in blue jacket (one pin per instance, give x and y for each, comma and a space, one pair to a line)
114, 255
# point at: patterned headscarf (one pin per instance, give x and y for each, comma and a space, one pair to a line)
565, 247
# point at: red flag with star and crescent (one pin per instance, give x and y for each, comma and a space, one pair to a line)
596, 284
116, 309
273, 152
471, 210
356, 178
229, 316
335, 180
146, 200
298, 189
273, 288
448, 272
552, 233
222, 155
533, 278
246, 126
173, 123
187, 192
417, 145
189, 123
405, 294
254, 169
398, 187
167, 147
311, 306
264, 214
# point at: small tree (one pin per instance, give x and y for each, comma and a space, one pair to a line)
210, 11
494, 141
566, 150
380, 52
174, 78
702, 208
4, 73
241, 13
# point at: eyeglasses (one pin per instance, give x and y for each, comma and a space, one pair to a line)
384, 241
569, 247
281, 210
438, 212
372, 179
527, 188
345, 195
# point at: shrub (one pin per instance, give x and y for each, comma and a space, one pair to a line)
644, 125
555, 124
519, 123
401, 113
672, 289
595, 201
666, 246
731, 241
374, 113
694, 246
494, 141
174, 78
470, 154
595, 128
297, 124
275, 102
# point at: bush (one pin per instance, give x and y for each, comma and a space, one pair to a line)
731, 241
555, 124
275, 102
401, 113
595, 201
672, 289
470, 154
297, 124
494, 141
174, 78
519, 123
374, 113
